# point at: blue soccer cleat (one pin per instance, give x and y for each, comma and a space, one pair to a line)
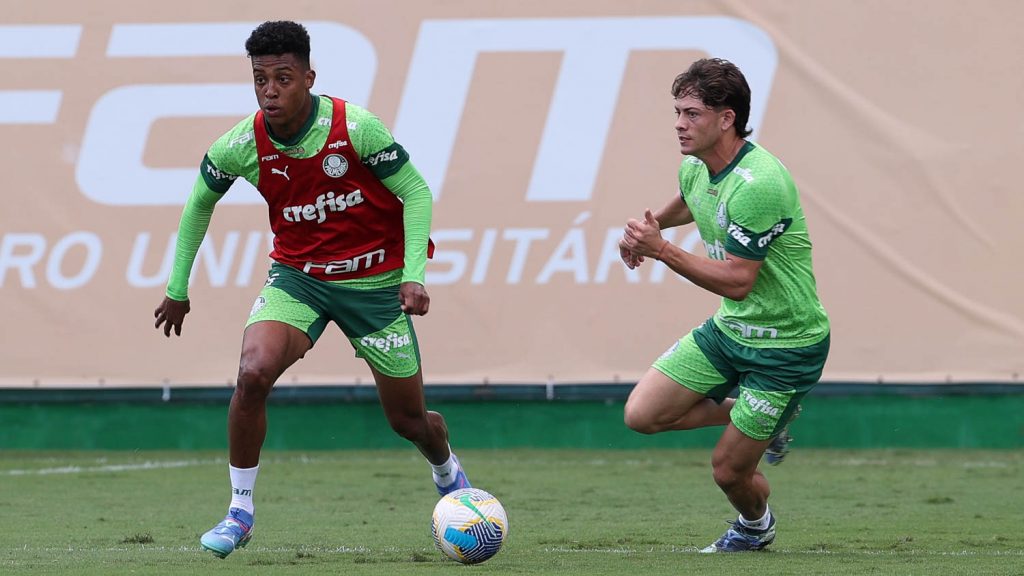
739, 538
777, 449
233, 532
460, 480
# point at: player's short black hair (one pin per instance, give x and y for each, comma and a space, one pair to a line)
718, 84
279, 37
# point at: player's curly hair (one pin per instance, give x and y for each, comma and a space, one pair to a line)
718, 84
279, 37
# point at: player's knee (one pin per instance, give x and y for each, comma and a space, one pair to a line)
254, 382
725, 476
639, 419
413, 429
729, 472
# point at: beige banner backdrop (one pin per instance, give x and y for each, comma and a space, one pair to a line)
541, 125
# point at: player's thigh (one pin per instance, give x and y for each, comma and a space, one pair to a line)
657, 400
697, 363
773, 384
401, 398
679, 379
268, 348
284, 323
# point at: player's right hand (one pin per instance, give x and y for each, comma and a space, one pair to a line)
171, 313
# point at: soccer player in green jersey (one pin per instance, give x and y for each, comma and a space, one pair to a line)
351, 219
770, 336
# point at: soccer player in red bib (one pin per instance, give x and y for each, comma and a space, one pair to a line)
351, 221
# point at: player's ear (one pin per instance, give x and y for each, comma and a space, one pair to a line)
727, 119
310, 78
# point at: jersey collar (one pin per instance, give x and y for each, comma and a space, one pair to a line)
747, 147
314, 110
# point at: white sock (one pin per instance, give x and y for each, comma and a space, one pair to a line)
761, 524
242, 482
444, 474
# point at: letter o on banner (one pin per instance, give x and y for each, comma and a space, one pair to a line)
93, 253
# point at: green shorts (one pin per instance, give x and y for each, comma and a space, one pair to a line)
771, 381
371, 318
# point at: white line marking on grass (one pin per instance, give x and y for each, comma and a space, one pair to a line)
248, 549
343, 550
919, 463
165, 464
148, 465
773, 551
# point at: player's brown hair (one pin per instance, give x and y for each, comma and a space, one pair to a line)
718, 84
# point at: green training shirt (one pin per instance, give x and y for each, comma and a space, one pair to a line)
234, 156
751, 209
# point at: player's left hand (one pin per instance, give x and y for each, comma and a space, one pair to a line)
628, 257
642, 237
413, 298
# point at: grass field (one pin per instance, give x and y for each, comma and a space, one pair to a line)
584, 512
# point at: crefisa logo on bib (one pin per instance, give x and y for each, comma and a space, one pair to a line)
335, 165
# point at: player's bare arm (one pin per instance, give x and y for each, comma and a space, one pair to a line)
732, 278
171, 313
674, 213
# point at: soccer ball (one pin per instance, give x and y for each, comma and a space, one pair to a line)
469, 525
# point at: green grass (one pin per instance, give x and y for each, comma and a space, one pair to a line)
587, 512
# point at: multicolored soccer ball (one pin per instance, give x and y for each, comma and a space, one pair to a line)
469, 525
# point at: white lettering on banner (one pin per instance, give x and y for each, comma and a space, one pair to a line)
35, 41
31, 248
455, 259
596, 51
134, 273
250, 253
490, 235
13, 255
120, 123
93, 252
217, 265
455, 255
570, 256
224, 259
523, 237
